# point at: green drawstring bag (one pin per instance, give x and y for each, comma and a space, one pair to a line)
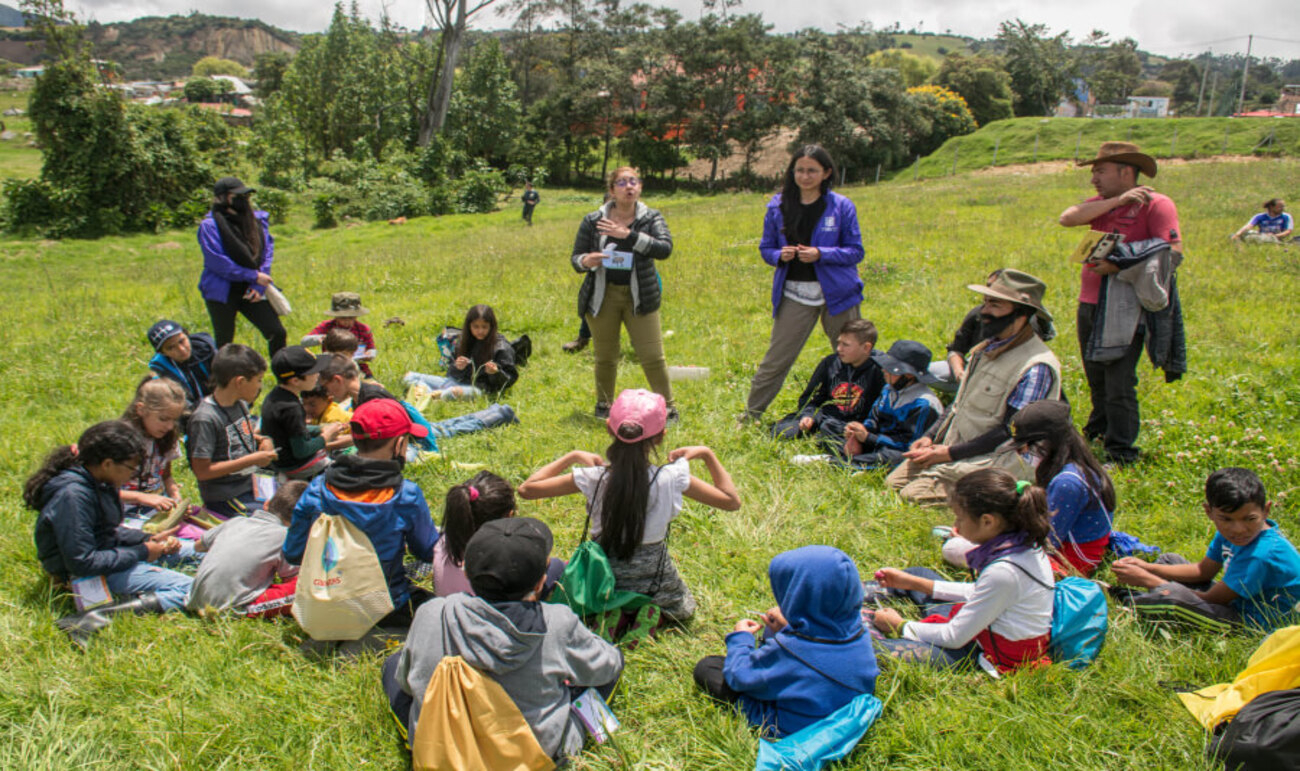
587, 585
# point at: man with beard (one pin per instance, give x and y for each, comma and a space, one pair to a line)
1137, 213
237, 249
1011, 368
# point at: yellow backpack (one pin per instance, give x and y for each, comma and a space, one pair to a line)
1274, 666
341, 587
467, 720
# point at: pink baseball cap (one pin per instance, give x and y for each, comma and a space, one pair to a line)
638, 407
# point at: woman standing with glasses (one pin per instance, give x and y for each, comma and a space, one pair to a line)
811, 237
616, 247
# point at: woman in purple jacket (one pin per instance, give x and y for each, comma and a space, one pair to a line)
237, 249
811, 237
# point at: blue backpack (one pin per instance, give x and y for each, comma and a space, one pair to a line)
1079, 619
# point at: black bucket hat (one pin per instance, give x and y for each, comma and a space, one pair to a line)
906, 357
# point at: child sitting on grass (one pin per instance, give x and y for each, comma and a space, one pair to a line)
1005, 617
321, 409
816, 656
154, 412
369, 491
841, 389
79, 533
345, 310
301, 448
183, 357
631, 503
343, 342
1080, 495
902, 414
1261, 569
224, 447
244, 569
468, 507
484, 361
539, 653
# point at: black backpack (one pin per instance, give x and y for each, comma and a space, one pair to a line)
1264, 736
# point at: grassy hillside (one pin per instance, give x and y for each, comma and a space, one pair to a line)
179, 692
929, 45
1070, 138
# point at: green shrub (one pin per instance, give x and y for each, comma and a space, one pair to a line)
325, 206
477, 191
275, 203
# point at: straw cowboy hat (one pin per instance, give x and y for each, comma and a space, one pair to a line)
1016, 287
1124, 152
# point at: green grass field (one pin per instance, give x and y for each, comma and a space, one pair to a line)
1030, 140
179, 693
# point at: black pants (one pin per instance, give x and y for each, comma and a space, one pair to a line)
708, 676
1113, 388
260, 314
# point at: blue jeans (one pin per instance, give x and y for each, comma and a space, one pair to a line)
921, 652
170, 586
489, 417
450, 389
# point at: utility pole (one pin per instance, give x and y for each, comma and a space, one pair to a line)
1245, 74
1205, 73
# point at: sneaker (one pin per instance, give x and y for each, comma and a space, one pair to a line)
809, 460
575, 345
602, 410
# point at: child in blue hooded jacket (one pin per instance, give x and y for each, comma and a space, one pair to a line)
815, 656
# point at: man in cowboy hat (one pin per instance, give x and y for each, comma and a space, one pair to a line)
1011, 368
1138, 213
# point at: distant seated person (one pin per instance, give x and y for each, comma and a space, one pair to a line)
1271, 226
244, 570
809, 656
1261, 569
540, 654
1010, 369
948, 371
345, 308
484, 362
841, 389
183, 357
905, 410
1080, 495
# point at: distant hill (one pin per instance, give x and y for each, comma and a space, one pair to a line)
168, 46
11, 17
158, 47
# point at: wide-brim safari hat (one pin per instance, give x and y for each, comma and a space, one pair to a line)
1017, 287
346, 305
1124, 152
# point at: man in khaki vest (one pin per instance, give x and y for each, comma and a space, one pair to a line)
1009, 370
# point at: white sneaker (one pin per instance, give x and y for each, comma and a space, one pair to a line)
808, 460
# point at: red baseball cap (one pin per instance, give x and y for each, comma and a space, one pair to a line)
384, 419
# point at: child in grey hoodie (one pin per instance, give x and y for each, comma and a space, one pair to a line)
539, 653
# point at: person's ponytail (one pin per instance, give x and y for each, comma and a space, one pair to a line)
626, 492
471, 504
1032, 516
114, 440
1022, 505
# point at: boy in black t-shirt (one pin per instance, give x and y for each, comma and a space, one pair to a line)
300, 447
223, 447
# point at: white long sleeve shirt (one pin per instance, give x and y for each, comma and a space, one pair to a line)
1003, 600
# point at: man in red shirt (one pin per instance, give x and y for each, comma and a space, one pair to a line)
1137, 212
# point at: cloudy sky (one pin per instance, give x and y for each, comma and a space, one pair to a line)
1168, 27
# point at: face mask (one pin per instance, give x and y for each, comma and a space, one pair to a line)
992, 326
239, 204
1031, 459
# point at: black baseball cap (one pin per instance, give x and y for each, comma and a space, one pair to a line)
231, 185
1040, 420
296, 361
506, 557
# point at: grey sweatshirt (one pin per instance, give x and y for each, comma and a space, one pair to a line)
536, 670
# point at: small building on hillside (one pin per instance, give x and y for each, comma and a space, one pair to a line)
29, 72
1289, 102
1147, 107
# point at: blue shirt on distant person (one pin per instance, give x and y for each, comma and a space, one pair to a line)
1265, 574
1266, 224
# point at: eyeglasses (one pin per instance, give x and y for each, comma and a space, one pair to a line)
135, 467
627, 182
